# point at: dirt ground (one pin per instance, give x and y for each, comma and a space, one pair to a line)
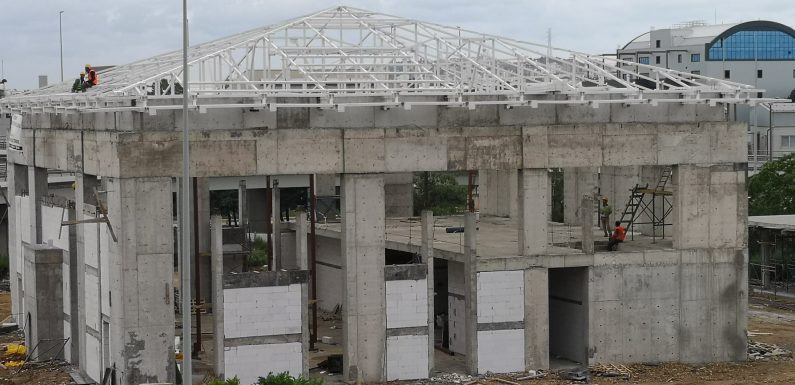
771, 321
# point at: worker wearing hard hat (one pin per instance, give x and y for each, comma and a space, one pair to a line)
92, 78
80, 84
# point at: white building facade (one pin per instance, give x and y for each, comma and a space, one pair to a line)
757, 53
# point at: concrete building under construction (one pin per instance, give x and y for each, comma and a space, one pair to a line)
365, 98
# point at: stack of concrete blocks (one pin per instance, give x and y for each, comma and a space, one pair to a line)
407, 322
265, 324
500, 321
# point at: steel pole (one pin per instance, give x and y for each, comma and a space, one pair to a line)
184, 225
60, 36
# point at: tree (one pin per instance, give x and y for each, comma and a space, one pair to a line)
772, 190
224, 203
439, 192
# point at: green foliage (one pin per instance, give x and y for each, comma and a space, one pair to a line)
259, 253
3, 265
772, 190
231, 381
286, 379
439, 192
224, 203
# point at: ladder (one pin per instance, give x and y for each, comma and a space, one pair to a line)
635, 199
664, 178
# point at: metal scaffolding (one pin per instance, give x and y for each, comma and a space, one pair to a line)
345, 57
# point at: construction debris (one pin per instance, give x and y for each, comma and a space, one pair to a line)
763, 351
579, 374
611, 370
532, 375
455, 378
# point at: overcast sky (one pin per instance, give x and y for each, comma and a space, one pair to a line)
104, 32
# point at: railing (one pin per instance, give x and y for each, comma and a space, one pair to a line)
3, 142
764, 156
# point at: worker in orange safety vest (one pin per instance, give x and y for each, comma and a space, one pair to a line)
92, 78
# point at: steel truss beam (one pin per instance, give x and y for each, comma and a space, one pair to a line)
345, 57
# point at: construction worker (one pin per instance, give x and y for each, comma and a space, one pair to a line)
604, 214
92, 78
618, 236
80, 84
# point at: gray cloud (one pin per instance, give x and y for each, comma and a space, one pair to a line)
121, 31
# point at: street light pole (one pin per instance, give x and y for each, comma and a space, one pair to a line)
60, 35
184, 225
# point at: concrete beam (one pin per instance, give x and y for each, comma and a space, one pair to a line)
330, 150
364, 304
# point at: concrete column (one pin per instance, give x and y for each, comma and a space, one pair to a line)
399, 194
470, 286
577, 181
536, 318
427, 255
301, 244
586, 224
203, 216
84, 195
217, 256
533, 211
364, 303
710, 207
17, 179
141, 268
44, 301
498, 192
242, 203
277, 227
37, 189
325, 184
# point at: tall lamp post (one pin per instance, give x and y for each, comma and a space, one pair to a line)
184, 225
60, 36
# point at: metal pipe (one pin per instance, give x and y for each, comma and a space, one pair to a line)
470, 189
197, 347
268, 215
187, 367
60, 37
312, 258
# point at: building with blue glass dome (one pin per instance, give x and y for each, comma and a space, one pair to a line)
758, 53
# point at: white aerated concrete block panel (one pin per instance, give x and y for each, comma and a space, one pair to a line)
262, 311
406, 357
93, 358
51, 230
500, 296
406, 303
501, 351
92, 301
457, 323
248, 362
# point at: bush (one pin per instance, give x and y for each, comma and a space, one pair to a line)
286, 379
231, 381
3, 266
259, 253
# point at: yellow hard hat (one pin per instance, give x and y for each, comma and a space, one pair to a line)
88, 65
83, 73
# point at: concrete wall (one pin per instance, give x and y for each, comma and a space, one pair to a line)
264, 324
407, 322
498, 193
657, 306
500, 319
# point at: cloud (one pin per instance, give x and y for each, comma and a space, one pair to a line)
121, 31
